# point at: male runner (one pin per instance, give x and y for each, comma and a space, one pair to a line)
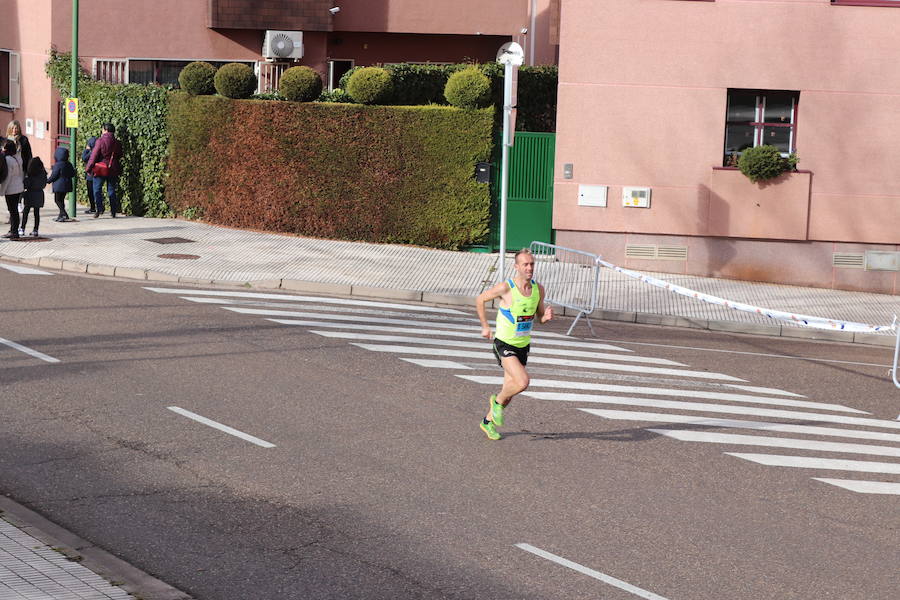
521, 299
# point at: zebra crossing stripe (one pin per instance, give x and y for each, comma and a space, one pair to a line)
764, 390
776, 442
291, 298
654, 391
540, 352
24, 270
353, 318
864, 487
436, 364
469, 332
627, 415
715, 408
548, 361
808, 462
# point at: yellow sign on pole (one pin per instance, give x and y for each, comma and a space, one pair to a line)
71, 113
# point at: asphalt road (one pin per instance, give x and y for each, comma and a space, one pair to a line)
378, 483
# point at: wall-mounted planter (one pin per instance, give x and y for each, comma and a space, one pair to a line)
774, 209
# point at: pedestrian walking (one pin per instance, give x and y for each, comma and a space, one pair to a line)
88, 178
33, 198
13, 186
103, 165
61, 176
521, 301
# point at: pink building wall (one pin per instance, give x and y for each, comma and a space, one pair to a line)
642, 102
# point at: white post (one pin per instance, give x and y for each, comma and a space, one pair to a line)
896, 353
504, 163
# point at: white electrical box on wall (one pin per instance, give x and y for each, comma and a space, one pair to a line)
636, 197
592, 195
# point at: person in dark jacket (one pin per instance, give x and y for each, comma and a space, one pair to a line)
88, 178
23, 147
108, 152
35, 182
61, 177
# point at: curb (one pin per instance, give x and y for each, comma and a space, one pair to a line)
113, 569
314, 287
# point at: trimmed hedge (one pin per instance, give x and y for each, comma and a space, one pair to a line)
235, 80
406, 177
300, 84
370, 85
469, 88
197, 78
139, 114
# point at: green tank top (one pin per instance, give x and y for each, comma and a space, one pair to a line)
514, 323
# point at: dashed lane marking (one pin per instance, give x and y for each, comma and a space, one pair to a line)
220, 427
28, 351
24, 270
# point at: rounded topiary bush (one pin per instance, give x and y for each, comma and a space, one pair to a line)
469, 88
370, 85
300, 84
235, 80
196, 78
765, 162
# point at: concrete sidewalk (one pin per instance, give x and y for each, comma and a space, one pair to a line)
169, 250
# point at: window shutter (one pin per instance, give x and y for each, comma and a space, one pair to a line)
14, 60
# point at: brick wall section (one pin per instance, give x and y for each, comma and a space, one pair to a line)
300, 15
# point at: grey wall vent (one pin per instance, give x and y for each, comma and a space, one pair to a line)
848, 260
652, 251
672, 252
640, 251
882, 261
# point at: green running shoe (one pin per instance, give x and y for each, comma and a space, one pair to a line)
490, 431
496, 411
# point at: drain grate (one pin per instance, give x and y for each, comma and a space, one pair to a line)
179, 256
170, 240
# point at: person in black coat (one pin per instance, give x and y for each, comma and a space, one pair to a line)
89, 179
23, 146
61, 177
35, 182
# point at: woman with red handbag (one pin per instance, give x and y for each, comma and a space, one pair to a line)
105, 168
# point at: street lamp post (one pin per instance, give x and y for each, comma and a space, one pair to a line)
511, 56
74, 90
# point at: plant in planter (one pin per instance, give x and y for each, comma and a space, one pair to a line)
765, 162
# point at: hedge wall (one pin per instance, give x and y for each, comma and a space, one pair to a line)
139, 114
345, 171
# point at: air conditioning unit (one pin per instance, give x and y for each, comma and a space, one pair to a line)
283, 45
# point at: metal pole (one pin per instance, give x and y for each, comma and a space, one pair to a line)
896, 353
504, 163
71, 203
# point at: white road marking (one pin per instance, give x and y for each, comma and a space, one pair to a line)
24, 270
776, 442
220, 427
550, 361
764, 390
808, 462
315, 299
864, 487
469, 332
716, 408
436, 364
622, 585
626, 415
653, 391
28, 351
432, 339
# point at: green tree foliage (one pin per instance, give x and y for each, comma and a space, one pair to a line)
139, 114
197, 78
300, 84
370, 85
765, 162
469, 88
235, 80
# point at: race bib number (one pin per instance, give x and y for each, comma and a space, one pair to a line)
524, 325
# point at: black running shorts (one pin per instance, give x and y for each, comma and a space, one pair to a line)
502, 349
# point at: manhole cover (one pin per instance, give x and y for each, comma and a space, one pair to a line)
170, 240
180, 256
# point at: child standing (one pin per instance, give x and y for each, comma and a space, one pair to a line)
61, 177
35, 182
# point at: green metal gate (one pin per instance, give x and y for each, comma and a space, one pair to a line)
529, 206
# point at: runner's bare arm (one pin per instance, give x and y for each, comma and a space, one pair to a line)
544, 310
486, 296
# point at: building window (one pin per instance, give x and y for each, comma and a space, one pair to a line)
164, 72
9, 79
759, 118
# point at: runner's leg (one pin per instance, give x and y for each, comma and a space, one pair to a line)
515, 380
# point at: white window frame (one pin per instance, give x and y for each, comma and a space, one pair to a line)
15, 79
253, 64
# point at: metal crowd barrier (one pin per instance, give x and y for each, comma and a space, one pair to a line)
570, 278
896, 354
